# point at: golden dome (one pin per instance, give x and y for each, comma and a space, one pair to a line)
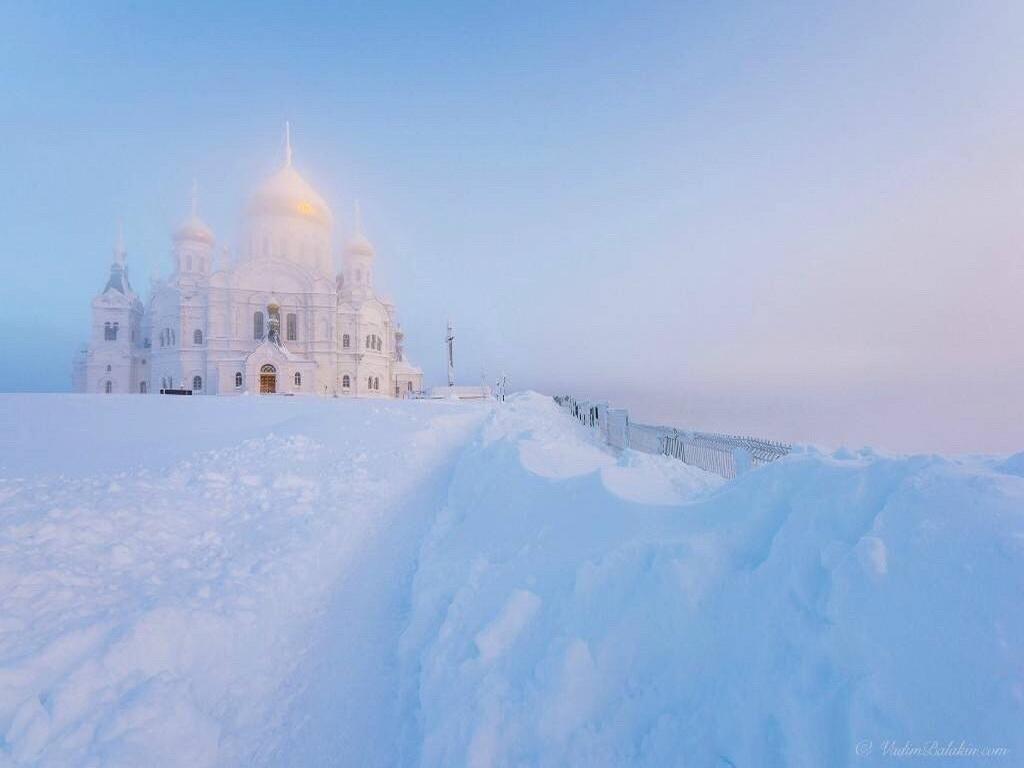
286, 193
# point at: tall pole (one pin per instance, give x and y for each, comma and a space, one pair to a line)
450, 341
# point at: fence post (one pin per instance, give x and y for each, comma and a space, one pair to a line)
743, 460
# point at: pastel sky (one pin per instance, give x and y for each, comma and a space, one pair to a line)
795, 220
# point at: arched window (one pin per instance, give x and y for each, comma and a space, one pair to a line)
369, 382
346, 382
376, 383
108, 368
408, 386
197, 383
197, 337
298, 379
267, 368
367, 342
238, 379
346, 341
257, 325
291, 327
142, 387
108, 387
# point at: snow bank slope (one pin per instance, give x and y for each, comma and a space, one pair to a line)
574, 609
298, 582
161, 616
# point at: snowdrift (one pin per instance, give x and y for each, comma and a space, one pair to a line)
803, 615
201, 581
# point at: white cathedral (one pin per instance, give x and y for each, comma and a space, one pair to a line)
276, 319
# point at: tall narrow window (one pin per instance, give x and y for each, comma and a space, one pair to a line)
142, 387
346, 382
238, 379
197, 338
197, 383
298, 379
369, 382
291, 326
376, 383
108, 387
346, 341
257, 325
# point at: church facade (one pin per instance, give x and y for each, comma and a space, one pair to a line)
276, 319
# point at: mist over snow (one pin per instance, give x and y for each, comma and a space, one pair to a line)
299, 581
801, 222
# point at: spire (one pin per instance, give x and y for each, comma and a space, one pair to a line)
287, 143
120, 256
118, 279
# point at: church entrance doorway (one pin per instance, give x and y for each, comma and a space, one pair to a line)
268, 380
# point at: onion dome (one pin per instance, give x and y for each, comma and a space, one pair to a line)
359, 244
193, 228
286, 193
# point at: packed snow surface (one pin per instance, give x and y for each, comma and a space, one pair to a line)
287, 581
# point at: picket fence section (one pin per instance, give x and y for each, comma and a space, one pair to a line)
725, 455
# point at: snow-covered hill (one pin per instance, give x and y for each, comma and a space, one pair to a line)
204, 581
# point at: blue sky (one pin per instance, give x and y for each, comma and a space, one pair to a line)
800, 220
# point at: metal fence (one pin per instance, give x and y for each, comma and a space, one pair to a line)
725, 455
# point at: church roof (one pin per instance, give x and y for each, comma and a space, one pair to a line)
118, 280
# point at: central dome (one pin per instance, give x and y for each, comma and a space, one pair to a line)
286, 193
